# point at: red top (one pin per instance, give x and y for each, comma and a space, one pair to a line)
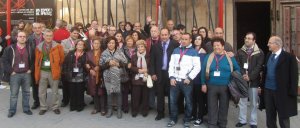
61, 34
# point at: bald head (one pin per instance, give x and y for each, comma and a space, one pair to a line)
219, 32
37, 28
275, 43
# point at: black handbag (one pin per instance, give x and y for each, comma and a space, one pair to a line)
124, 75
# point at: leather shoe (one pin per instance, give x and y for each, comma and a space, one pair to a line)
56, 111
10, 114
159, 116
253, 126
42, 112
240, 124
28, 112
35, 106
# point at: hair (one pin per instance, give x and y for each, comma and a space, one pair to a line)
84, 44
202, 43
77, 24
180, 26
277, 40
119, 32
165, 29
188, 35
217, 39
21, 22
22, 32
253, 34
108, 39
94, 20
74, 29
48, 31
138, 33
130, 24
28, 28
141, 42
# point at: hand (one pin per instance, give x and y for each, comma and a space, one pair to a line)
112, 63
103, 30
259, 91
140, 71
186, 81
7, 37
29, 71
246, 77
204, 88
154, 77
92, 72
96, 68
173, 82
87, 66
13, 73
129, 65
149, 19
145, 70
230, 54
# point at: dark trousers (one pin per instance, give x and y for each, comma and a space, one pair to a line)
114, 98
77, 96
65, 91
125, 91
140, 99
199, 102
218, 103
99, 100
35, 94
271, 111
162, 90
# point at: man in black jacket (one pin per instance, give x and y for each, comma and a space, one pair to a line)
18, 64
281, 84
160, 58
250, 58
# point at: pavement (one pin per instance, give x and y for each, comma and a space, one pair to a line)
84, 119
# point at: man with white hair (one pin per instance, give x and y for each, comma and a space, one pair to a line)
280, 84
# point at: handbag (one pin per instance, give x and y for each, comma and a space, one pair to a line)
124, 75
149, 82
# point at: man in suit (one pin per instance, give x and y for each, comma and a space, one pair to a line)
160, 58
281, 84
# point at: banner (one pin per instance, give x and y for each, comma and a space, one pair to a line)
28, 11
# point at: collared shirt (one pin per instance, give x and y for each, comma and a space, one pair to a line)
277, 53
165, 55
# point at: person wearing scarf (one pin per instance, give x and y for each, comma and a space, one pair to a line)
139, 67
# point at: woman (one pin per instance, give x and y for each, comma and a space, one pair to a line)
75, 74
136, 36
194, 31
95, 86
139, 66
204, 33
129, 50
199, 98
215, 77
81, 31
128, 29
111, 61
28, 28
120, 39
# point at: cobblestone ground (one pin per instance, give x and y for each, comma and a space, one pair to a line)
84, 119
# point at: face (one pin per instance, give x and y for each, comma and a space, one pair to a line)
129, 43
94, 24
119, 37
21, 25
80, 45
112, 31
96, 44
164, 35
194, 30
74, 35
137, 26
198, 41
48, 36
111, 45
218, 48
219, 32
249, 41
80, 28
202, 32
135, 36
122, 25
176, 35
272, 45
128, 27
141, 48
152, 23
92, 33
43, 26
154, 32
37, 29
170, 25
21, 38
185, 40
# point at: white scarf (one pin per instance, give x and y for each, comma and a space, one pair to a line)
141, 57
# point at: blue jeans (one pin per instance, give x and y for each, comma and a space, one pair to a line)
18, 80
187, 92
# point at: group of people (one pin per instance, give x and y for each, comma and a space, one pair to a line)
192, 70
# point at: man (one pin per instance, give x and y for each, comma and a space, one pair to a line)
49, 57
281, 84
112, 31
17, 61
160, 58
89, 42
34, 40
149, 24
170, 25
137, 27
250, 58
14, 32
219, 32
68, 45
176, 36
154, 39
94, 24
183, 68
181, 28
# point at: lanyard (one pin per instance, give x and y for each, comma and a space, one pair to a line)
21, 51
217, 61
181, 54
91, 45
37, 42
72, 42
77, 55
45, 48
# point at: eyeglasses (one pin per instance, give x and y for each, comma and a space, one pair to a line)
80, 28
247, 38
22, 36
195, 30
153, 24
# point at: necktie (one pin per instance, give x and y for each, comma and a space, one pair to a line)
273, 57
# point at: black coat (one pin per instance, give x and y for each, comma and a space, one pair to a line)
157, 57
287, 84
68, 66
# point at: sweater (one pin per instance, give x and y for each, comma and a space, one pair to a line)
270, 77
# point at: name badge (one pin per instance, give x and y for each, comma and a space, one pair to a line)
217, 73
177, 68
47, 63
75, 69
21, 65
245, 65
141, 75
